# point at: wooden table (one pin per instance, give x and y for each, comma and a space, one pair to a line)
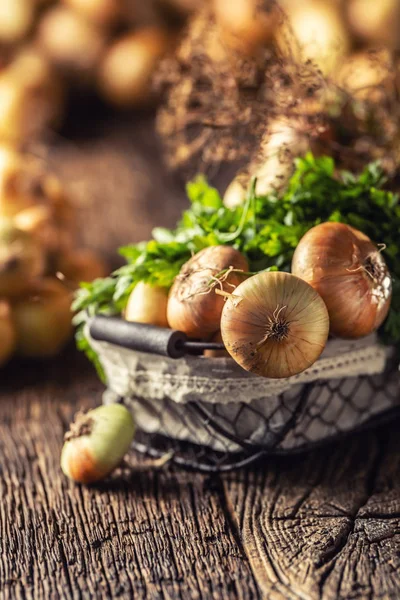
323, 525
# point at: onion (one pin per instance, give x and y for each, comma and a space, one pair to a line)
285, 140
275, 325
37, 221
316, 32
69, 42
99, 12
349, 272
244, 24
21, 259
31, 97
16, 18
235, 193
24, 185
368, 75
35, 201
376, 22
97, 443
42, 319
127, 69
148, 304
193, 307
7, 332
12, 179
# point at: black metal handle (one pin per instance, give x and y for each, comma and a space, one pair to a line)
146, 338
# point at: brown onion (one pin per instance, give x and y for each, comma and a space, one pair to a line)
22, 260
350, 274
129, 64
375, 22
275, 325
70, 42
42, 319
31, 97
193, 307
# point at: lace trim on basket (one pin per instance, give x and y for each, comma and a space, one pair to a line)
128, 374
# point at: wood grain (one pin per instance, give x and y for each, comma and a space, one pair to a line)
325, 525
142, 535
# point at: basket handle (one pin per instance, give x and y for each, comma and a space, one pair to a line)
146, 338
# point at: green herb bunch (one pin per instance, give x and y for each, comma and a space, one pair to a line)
266, 229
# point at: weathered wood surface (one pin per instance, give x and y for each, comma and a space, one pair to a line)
325, 525
164, 535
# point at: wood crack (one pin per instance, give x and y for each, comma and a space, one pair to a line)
312, 525
231, 519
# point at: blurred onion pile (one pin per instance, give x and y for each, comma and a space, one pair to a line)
50, 49
40, 266
255, 83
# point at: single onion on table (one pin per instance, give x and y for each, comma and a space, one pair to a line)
275, 325
350, 274
193, 307
97, 442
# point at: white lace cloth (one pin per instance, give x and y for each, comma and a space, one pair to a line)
160, 390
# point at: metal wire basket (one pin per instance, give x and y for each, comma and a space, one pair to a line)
215, 416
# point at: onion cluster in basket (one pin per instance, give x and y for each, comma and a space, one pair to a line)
275, 324
271, 277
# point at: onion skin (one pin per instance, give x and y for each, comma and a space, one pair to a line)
191, 310
349, 273
97, 443
275, 325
